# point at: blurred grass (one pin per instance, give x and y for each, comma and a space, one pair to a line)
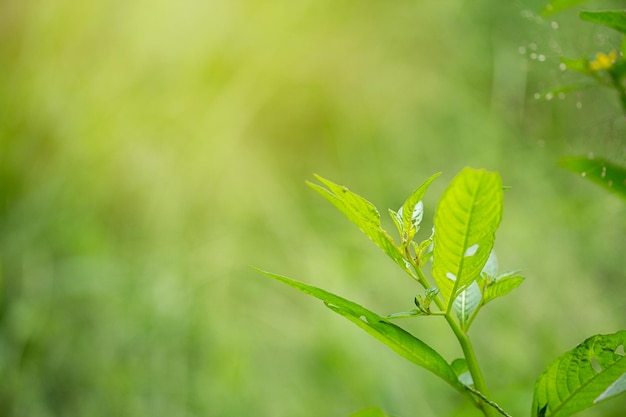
150, 151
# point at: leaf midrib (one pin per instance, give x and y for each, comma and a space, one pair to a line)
465, 240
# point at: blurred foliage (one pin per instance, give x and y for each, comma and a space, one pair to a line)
150, 151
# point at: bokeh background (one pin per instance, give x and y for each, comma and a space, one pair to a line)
150, 151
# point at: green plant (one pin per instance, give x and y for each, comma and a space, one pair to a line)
606, 69
463, 279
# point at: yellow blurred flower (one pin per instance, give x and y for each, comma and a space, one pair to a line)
603, 61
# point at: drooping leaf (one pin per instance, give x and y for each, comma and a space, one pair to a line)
610, 176
412, 210
467, 217
592, 372
556, 6
370, 412
500, 286
398, 339
615, 19
363, 214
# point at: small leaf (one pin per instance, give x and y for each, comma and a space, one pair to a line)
491, 266
406, 314
459, 366
501, 286
466, 303
556, 6
398, 339
610, 176
370, 412
413, 209
590, 373
363, 214
576, 64
615, 19
397, 220
466, 220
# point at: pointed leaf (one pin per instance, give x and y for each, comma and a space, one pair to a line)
465, 223
467, 302
370, 412
590, 373
556, 6
363, 214
397, 220
610, 176
398, 339
615, 19
500, 287
413, 209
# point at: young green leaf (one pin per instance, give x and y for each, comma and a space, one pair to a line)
592, 372
398, 339
466, 303
459, 366
615, 19
363, 214
608, 175
370, 412
466, 220
500, 286
556, 6
412, 210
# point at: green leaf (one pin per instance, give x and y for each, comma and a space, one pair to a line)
500, 286
556, 6
461, 370
398, 339
592, 372
575, 64
412, 210
466, 302
466, 220
370, 412
610, 176
363, 214
615, 19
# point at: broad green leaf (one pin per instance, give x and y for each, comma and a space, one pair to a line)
398, 339
370, 412
466, 220
556, 6
615, 19
412, 210
610, 176
363, 214
500, 286
592, 372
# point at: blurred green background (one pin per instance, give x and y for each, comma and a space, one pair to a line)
150, 151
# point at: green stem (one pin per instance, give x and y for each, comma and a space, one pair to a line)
472, 365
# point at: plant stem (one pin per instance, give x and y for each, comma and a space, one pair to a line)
472, 365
